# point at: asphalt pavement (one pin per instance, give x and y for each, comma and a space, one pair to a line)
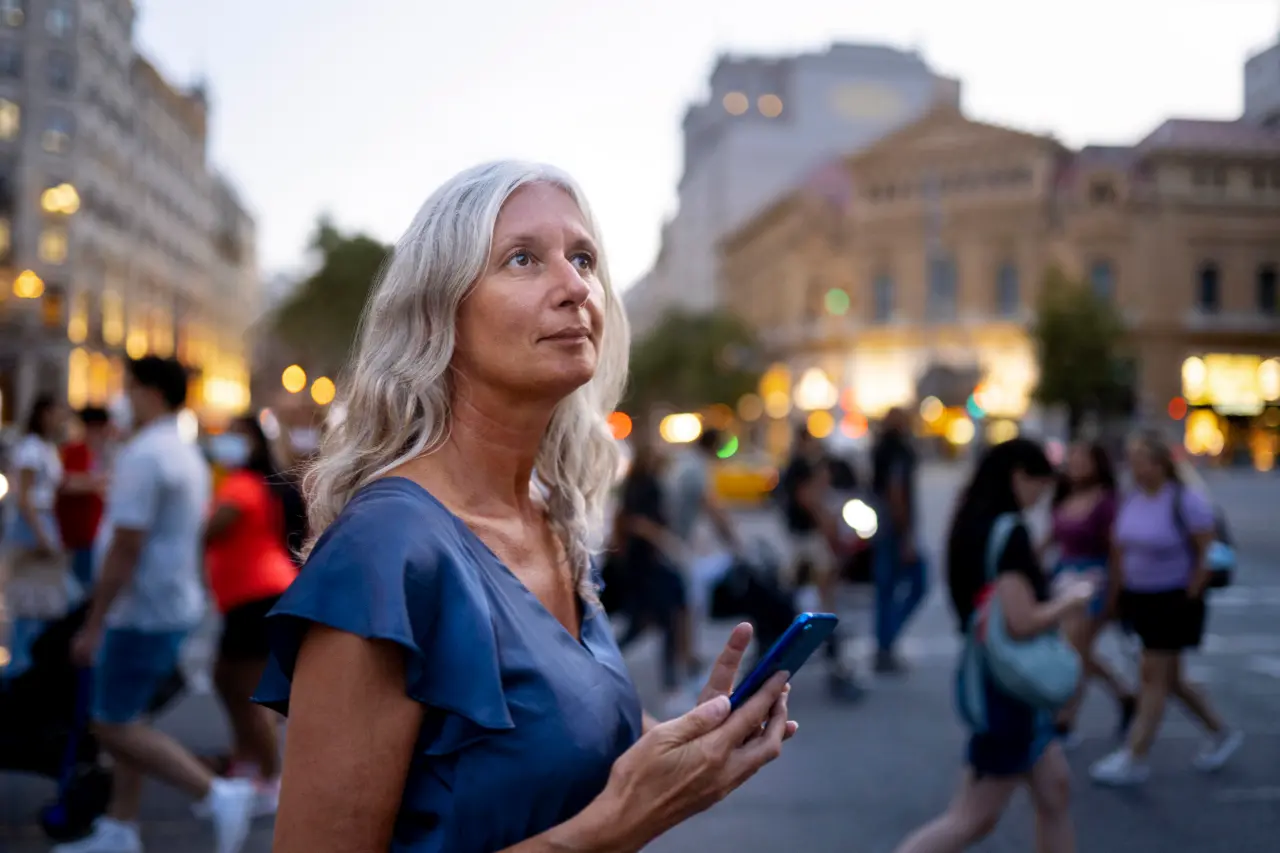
859, 778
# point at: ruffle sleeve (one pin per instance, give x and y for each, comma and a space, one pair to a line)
392, 568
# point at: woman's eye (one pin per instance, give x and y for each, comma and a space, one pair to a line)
584, 261
520, 259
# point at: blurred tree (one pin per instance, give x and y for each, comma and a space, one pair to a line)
1079, 338
693, 360
318, 320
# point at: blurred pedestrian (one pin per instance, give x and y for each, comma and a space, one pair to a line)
1016, 746
1159, 580
249, 568
147, 599
450, 679
79, 506
814, 529
1084, 511
659, 594
33, 561
900, 573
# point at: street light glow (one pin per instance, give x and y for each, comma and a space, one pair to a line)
294, 379
28, 285
323, 391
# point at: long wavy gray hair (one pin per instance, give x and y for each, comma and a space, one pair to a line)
395, 396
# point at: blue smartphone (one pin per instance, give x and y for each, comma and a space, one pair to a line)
794, 647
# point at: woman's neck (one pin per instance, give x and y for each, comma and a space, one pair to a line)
486, 462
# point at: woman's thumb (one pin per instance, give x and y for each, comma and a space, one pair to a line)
705, 718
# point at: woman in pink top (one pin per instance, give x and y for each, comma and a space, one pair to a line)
1084, 509
1159, 578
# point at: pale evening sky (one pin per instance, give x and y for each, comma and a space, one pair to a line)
362, 107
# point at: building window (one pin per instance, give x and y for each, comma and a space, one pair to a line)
6, 239
882, 298
12, 13
10, 60
1268, 298
942, 288
58, 19
1007, 296
10, 119
53, 245
78, 318
1208, 288
61, 73
1102, 279
58, 130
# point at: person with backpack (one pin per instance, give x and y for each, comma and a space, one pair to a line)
992, 566
1161, 572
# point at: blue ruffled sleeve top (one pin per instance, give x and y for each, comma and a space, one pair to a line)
523, 720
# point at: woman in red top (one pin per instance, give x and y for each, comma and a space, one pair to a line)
249, 567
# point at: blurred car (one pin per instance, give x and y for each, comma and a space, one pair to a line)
744, 479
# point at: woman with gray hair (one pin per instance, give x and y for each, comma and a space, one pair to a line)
451, 681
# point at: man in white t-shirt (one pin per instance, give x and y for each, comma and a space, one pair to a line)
148, 596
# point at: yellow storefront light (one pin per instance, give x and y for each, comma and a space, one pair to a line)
28, 285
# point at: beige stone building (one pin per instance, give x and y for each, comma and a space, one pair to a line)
912, 269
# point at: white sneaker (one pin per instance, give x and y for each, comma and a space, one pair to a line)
230, 806
1120, 769
1216, 752
107, 836
266, 798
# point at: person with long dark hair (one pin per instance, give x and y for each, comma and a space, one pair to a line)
1159, 578
1084, 510
1018, 746
249, 568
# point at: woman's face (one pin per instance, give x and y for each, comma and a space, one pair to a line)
531, 326
1029, 490
1144, 466
1080, 467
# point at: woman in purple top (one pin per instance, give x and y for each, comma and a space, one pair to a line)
1084, 509
1159, 578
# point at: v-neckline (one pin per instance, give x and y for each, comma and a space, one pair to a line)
585, 613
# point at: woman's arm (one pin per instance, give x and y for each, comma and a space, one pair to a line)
1024, 616
352, 732
26, 483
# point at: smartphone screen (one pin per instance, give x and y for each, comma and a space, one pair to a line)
793, 648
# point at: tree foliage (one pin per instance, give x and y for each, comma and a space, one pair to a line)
693, 360
1079, 339
319, 319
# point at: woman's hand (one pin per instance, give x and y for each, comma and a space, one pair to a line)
687, 765
684, 766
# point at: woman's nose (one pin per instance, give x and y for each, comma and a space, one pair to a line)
572, 287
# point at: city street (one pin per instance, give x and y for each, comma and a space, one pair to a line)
860, 778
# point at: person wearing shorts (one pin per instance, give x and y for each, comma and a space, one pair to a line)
1162, 533
147, 598
248, 567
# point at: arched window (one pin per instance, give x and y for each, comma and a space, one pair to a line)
1268, 298
1208, 288
1007, 295
882, 298
942, 288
